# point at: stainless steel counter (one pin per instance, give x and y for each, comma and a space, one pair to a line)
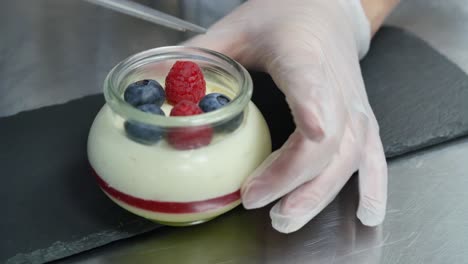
56, 50
427, 222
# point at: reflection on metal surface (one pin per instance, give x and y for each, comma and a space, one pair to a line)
58, 50
427, 222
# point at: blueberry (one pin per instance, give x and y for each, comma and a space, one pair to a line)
213, 101
145, 133
145, 92
151, 108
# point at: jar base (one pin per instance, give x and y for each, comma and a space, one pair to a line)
174, 219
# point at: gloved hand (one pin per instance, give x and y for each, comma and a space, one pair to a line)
311, 48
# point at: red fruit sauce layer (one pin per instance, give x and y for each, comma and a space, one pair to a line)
168, 207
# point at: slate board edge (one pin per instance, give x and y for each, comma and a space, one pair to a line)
433, 142
60, 250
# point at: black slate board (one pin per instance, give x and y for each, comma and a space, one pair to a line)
54, 209
419, 97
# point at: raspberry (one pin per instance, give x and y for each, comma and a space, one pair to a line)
186, 108
185, 81
188, 137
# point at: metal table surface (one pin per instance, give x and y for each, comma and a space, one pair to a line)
57, 50
427, 222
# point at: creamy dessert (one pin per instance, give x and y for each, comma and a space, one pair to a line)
177, 176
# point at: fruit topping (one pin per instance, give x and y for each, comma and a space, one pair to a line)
145, 92
145, 133
185, 81
188, 137
215, 101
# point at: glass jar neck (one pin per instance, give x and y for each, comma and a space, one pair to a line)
156, 63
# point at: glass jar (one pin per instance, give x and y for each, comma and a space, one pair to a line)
176, 175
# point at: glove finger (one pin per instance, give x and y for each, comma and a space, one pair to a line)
227, 41
373, 177
298, 161
304, 203
313, 96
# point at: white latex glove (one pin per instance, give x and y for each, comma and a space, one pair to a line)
311, 48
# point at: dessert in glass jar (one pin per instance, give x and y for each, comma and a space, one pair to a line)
178, 135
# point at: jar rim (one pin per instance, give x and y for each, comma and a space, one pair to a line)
116, 102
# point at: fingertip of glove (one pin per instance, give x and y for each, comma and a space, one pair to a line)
284, 224
370, 217
250, 203
254, 195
